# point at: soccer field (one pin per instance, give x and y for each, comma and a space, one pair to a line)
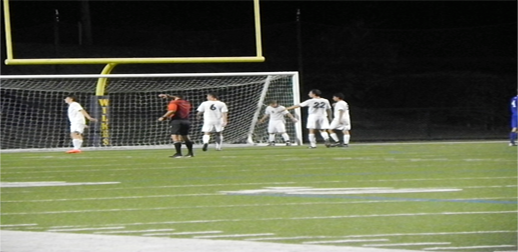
416, 196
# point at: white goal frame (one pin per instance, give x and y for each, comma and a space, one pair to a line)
259, 106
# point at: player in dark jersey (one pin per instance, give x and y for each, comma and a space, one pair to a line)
514, 121
178, 111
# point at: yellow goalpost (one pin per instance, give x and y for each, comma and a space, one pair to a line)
11, 60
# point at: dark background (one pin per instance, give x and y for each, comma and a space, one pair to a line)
410, 70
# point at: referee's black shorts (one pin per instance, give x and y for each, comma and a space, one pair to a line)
180, 127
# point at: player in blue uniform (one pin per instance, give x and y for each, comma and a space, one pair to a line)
514, 121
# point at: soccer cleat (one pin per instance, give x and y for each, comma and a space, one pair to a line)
288, 143
74, 151
205, 146
218, 149
327, 144
512, 144
176, 155
271, 144
335, 144
189, 155
312, 147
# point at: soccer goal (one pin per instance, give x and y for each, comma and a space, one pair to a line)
34, 114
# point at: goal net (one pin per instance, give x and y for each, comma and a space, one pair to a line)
34, 114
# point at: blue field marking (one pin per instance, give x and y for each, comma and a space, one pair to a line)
375, 198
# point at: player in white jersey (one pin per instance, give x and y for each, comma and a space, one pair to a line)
341, 121
319, 111
76, 116
215, 118
277, 123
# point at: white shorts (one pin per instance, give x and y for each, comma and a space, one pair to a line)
317, 122
212, 127
276, 127
77, 127
340, 125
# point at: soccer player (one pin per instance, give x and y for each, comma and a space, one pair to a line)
215, 118
76, 116
178, 111
514, 121
319, 111
277, 123
341, 121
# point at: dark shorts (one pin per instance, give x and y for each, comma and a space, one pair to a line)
180, 127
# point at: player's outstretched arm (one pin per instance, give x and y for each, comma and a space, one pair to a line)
85, 114
292, 107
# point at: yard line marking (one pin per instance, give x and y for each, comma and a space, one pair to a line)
346, 241
384, 235
423, 179
51, 183
19, 225
472, 247
82, 229
133, 231
342, 192
178, 186
231, 235
115, 198
407, 244
184, 233
294, 218
331, 191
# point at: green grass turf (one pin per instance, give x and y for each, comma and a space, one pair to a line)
158, 194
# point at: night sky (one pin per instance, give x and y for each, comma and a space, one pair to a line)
200, 15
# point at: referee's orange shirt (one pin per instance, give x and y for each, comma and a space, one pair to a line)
182, 109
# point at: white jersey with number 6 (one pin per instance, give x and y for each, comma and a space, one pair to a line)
212, 115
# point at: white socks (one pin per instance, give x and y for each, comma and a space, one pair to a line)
77, 143
206, 139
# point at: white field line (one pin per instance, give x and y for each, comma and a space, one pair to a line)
343, 241
432, 179
134, 231
329, 217
407, 244
18, 225
83, 229
383, 235
120, 197
184, 233
186, 207
51, 183
231, 235
471, 247
177, 186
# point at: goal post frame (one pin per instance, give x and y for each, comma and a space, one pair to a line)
10, 60
288, 87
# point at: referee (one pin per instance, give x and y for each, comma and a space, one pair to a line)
178, 111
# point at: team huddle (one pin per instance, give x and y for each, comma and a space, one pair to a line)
215, 118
